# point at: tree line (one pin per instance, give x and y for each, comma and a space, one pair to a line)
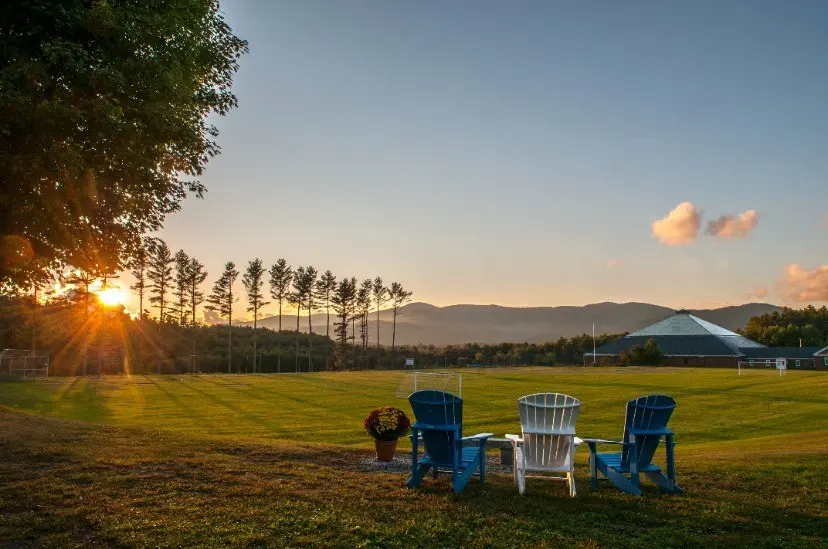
172, 283
789, 327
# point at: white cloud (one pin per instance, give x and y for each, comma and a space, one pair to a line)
805, 285
729, 226
679, 227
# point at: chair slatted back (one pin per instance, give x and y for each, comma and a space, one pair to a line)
548, 423
650, 412
439, 408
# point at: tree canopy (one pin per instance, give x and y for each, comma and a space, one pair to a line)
104, 125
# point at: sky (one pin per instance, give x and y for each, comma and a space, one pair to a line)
528, 153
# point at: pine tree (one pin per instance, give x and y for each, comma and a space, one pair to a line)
182, 289
380, 297
160, 276
281, 276
253, 281
297, 298
342, 301
221, 301
399, 296
196, 275
309, 291
139, 267
324, 288
363, 301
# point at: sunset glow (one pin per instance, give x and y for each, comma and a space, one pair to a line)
111, 296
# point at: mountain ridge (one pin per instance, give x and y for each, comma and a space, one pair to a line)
427, 324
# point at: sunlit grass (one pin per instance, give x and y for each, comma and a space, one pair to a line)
273, 461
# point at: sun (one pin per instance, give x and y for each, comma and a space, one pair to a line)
111, 297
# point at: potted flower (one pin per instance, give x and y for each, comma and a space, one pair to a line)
386, 425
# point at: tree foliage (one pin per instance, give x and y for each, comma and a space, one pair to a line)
181, 288
281, 277
104, 125
788, 327
160, 274
648, 355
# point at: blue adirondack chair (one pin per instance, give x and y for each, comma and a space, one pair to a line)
439, 418
644, 427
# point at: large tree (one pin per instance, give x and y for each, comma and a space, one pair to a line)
296, 298
398, 296
139, 268
343, 304
221, 301
160, 276
181, 289
309, 290
253, 281
196, 275
325, 287
363, 306
281, 275
105, 126
380, 297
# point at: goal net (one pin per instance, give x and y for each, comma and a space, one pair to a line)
23, 364
768, 365
437, 381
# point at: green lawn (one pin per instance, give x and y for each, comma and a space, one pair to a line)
269, 461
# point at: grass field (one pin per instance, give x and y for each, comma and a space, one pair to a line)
270, 461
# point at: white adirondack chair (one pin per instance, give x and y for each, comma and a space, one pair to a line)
548, 443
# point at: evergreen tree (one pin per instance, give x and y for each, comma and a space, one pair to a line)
342, 301
324, 288
309, 290
296, 298
399, 296
380, 297
281, 276
221, 301
182, 288
160, 276
196, 275
139, 267
363, 301
253, 281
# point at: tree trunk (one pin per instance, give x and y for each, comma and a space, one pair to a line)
280, 314
255, 318
393, 334
230, 332
328, 310
298, 308
310, 337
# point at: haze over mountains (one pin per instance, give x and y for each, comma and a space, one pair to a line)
421, 323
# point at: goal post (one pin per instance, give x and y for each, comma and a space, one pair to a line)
437, 381
744, 366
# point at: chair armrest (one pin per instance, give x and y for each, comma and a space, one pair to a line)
430, 427
479, 436
649, 432
515, 439
577, 441
594, 442
604, 441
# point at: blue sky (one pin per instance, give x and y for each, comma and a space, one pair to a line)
505, 152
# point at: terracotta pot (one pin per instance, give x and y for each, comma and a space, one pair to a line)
385, 449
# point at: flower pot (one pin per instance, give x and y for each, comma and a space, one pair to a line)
385, 449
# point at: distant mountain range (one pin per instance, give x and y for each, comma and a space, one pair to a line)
421, 323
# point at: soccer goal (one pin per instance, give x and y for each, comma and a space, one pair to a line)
779, 364
438, 381
23, 364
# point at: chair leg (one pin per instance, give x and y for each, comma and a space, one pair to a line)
483, 465
570, 479
593, 472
